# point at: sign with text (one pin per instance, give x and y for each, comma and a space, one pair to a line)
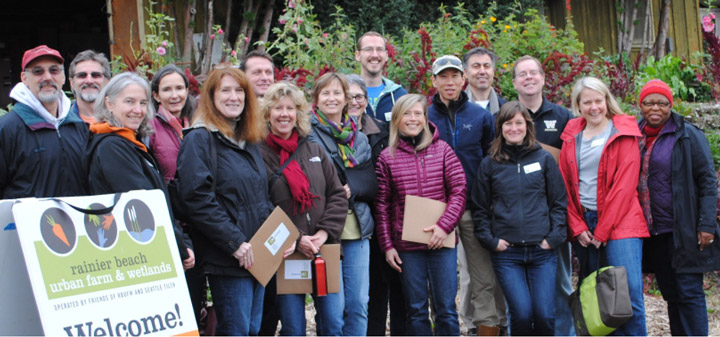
117, 273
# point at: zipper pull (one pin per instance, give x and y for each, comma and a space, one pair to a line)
518, 167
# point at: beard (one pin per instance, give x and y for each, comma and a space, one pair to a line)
48, 97
90, 96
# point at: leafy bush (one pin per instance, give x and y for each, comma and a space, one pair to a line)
680, 75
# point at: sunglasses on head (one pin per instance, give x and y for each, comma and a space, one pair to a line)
448, 60
39, 71
94, 74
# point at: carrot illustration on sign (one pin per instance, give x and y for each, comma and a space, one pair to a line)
57, 229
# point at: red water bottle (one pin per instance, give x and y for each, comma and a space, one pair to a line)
319, 276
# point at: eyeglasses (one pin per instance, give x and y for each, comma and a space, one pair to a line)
358, 98
659, 104
528, 73
39, 71
94, 74
378, 50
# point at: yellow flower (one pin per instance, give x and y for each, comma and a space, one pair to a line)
504, 65
505, 31
493, 19
525, 31
507, 27
483, 22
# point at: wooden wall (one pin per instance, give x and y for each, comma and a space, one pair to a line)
596, 24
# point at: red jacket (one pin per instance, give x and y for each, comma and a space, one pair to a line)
619, 212
434, 172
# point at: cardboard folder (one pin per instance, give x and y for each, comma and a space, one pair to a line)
275, 235
302, 284
421, 213
555, 152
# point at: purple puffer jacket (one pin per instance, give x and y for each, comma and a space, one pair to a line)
434, 172
164, 145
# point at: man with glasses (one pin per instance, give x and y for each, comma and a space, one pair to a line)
42, 144
89, 72
382, 93
550, 120
482, 304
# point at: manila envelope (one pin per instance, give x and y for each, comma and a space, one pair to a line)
275, 235
422, 213
555, 152
298, 278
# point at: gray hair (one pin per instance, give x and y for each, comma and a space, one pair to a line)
357, 80
91, 55
116, 85
478, 51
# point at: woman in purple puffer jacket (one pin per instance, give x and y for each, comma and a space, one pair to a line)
416, 162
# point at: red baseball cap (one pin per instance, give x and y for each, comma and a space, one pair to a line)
38, 51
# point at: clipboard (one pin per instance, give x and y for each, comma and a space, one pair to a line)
422, 213
275, 235
331, 254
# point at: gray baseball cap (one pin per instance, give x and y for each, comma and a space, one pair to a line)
445, 62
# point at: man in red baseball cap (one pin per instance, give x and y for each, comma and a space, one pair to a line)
42, 144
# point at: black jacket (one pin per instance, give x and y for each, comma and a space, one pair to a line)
550, 121
694, 195
521, 201
39, 160
116, 165
225, 218
378, 134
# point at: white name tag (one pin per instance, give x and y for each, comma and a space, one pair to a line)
388, 116
530, 168
597, 142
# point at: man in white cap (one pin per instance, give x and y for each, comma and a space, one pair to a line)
42, 145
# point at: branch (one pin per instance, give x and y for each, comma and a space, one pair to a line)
663, 25
207, 58
244, 25
251, 27
228, 20
189, 17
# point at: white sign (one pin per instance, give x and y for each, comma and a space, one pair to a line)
114, 274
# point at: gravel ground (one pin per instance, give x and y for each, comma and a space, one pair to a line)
655, 310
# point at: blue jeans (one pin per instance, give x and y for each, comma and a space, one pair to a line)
527, 277
439, 268
356, 277
328, 316
238, 303
563, 289
683, 292
622, 252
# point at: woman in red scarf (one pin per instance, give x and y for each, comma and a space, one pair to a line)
309, 191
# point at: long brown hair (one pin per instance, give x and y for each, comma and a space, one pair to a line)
250, 127
507, 112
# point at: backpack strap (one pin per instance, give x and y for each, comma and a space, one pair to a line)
277, 173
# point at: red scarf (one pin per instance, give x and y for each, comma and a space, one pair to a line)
296, 178
173, 121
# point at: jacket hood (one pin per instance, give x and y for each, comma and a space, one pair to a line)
200, 124
390, 86
625, 125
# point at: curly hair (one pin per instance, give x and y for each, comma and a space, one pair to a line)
283, 89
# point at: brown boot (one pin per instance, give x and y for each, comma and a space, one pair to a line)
484, 330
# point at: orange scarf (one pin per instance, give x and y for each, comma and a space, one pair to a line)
126, 133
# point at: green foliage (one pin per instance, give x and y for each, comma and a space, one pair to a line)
306, 45
392, 17
713, 137
6, 110
678, 74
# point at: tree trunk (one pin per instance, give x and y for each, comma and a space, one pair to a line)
251, 27
240, 42
647, 31
663, 25
189, 17
207, 57
176, 29
228, 20
631, 29
267, 23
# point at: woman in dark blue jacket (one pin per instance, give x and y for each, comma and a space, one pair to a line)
678, 195
518, 201
226, 196
118, 161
